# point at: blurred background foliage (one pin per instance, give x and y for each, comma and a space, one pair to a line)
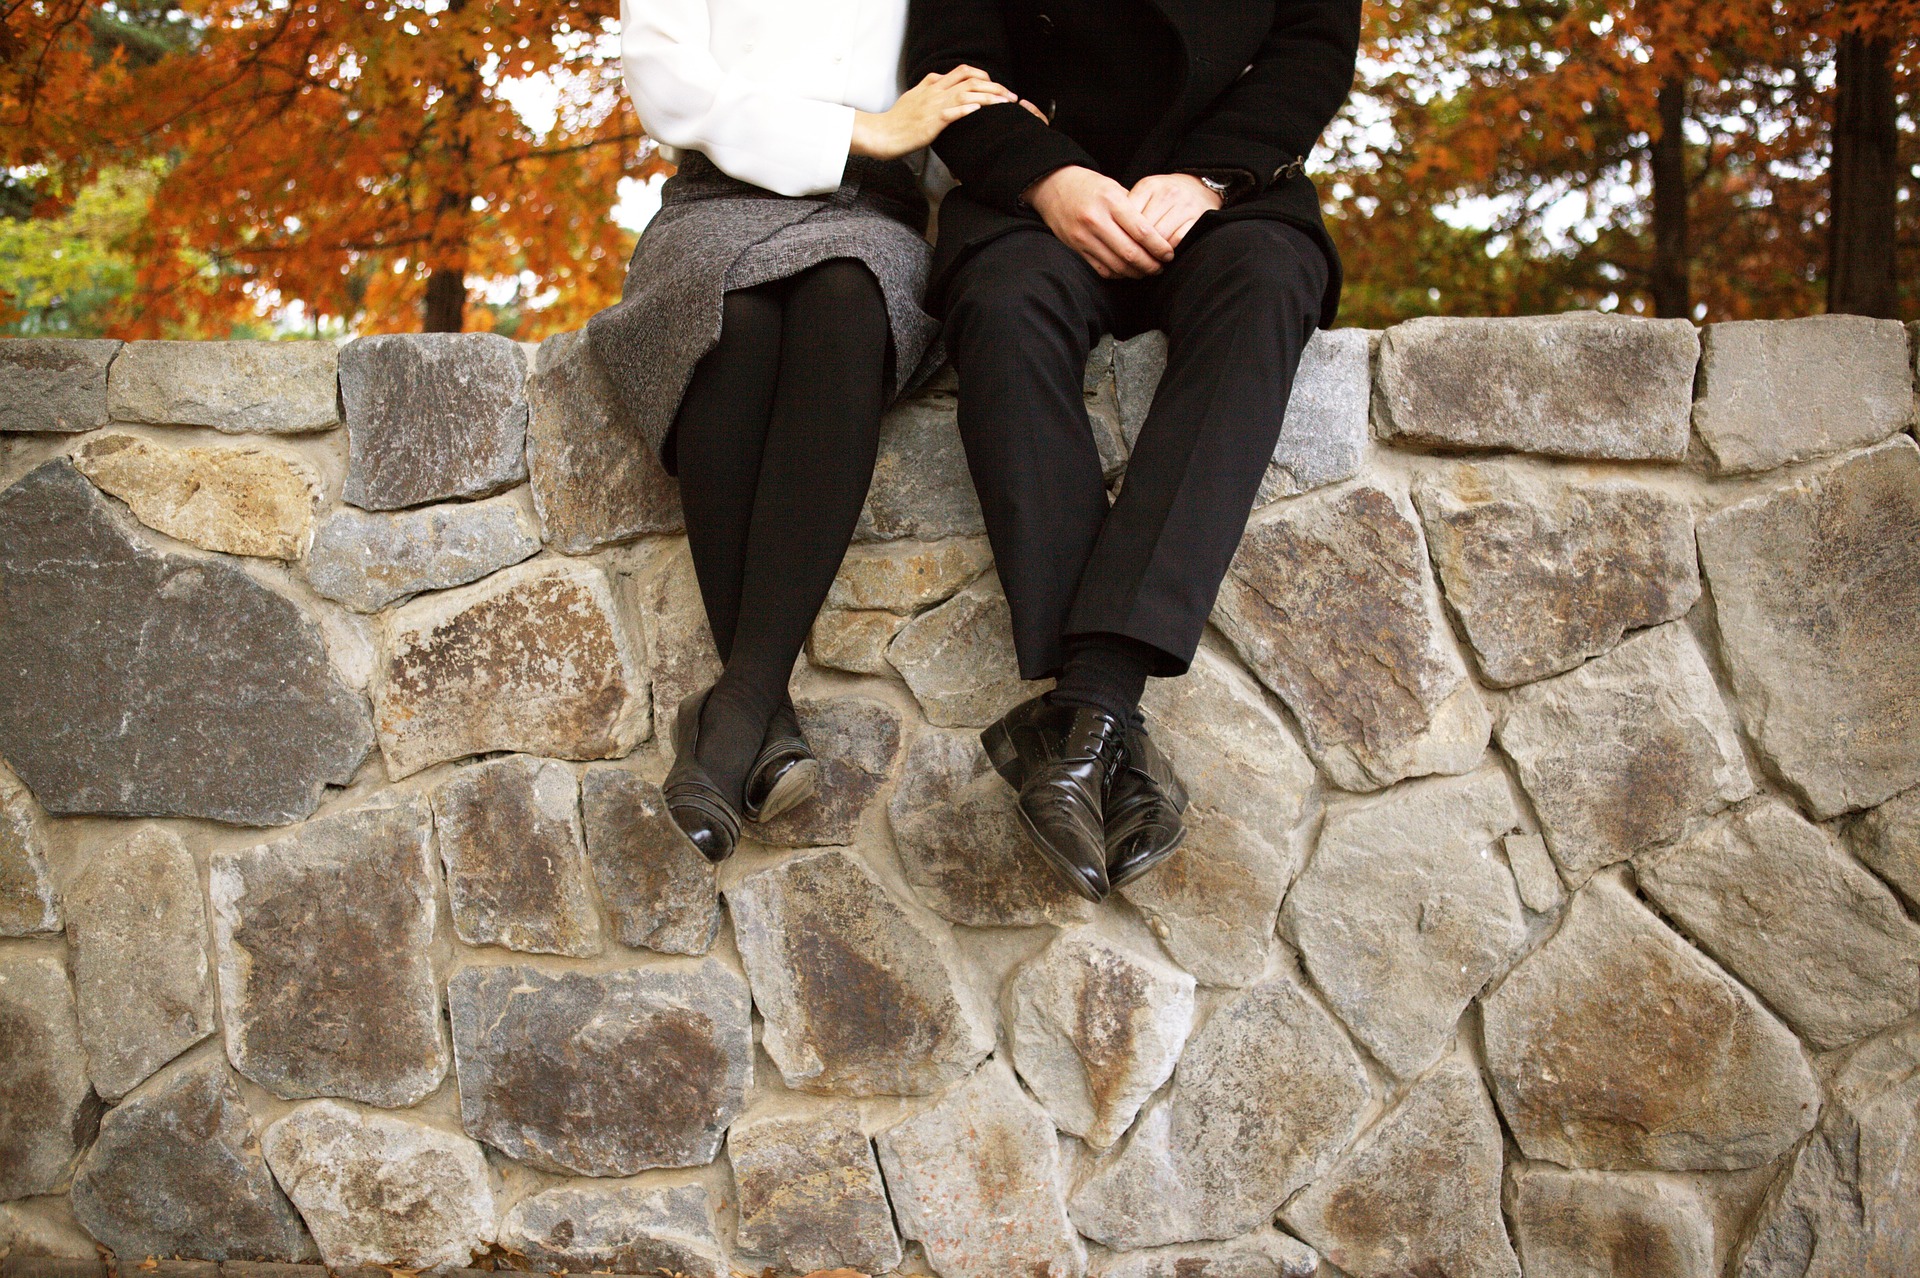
213, 168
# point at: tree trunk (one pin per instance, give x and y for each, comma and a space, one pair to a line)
1865, 179
446, 306
1672, 291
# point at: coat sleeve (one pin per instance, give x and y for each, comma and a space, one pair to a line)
1278, 108
770, 137
998, 151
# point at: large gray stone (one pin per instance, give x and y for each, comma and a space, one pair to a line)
1265, 1254
907, 576
1817, 589
659, 891
138, 933
1213, 903
243, 499
29, 905
1769, 896
325, 943
595, 479
1545, 572
680, 650
1573, 385
959, 660
1095, 1030
237, 387
855, 641
861, 995
54, 384
378, 1189
1617, 1046
367, 561
601, 1074
958, 833
1778, 391
1533, 873
921, 487
810, 1192
1404, 914
1620, 754
1331, 602
177, 1171
510, 838
1267, 1093
977, 1181
620, 1229
135, 683
1420, 1194
48, 1111
857, 740
533, 659
1887, 839
431, 416
1845, 1206
1583, 1224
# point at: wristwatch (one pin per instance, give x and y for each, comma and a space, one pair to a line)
1215, 185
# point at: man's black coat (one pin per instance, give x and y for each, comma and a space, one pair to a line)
1254, 83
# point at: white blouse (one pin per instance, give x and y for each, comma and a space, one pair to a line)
766, 88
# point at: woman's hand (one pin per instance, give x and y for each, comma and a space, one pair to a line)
922, 111
1172, 202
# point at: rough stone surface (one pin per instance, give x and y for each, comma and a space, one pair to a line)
1331, 602
43, 1228
28, 903
236, 387
1778, 391
595, 478
1815, 935
243, 499
1817, 589
1266, 1094
177, 1171
601, 1074
54, 384
977, 1181
857, 741
908, 576
533, 659
1266, 1254
1622, 753
1540, 888
1845, 1205
324, 941
861, 996
961, 844
1095, 1030
367, 561
510, 838
1545, 572
48, 1111
679, 645
959, 661
1214, 901
1887, 839
431, 416
377, 1189
1420, 1194
135, 683
921, 488
138, 933
1404, 914
659, 891
1599, 1224
621, 1230
810, 1192
1574, 385
853, 641
1617, 1046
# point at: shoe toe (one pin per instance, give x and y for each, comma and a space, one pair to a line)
711, 837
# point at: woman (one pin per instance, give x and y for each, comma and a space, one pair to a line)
770, 312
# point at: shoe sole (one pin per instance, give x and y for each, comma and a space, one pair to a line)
1059, 864
795, 786
1145, 866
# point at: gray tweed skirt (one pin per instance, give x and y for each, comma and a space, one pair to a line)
714, 233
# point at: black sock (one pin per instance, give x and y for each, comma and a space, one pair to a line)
1107, 672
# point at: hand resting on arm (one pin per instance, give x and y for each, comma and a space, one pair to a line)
923, 111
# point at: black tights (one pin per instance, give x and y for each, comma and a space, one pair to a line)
776, 439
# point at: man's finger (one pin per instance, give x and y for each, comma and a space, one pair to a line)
1135, 261
1143, 232
1101, 256
1181, 233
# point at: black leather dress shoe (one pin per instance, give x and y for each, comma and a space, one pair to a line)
1064, 755
1144, 805
694, 802
785, 773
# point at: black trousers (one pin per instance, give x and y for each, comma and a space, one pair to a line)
1238, 303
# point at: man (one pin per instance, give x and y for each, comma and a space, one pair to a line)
1152, 180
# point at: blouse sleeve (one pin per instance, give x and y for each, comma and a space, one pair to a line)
772, 138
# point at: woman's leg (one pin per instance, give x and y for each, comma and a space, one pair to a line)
814, 469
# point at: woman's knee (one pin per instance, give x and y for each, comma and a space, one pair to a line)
841, 286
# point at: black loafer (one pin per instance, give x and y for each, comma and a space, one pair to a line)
1143, 810
785, 773
693, 801
1064, 755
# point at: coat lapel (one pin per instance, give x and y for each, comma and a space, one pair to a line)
1219, 37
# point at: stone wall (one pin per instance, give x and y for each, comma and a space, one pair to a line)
1548, 907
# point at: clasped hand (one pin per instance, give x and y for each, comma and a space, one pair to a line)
1122, 234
